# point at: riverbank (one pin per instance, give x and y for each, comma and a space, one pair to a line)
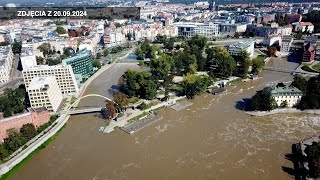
16, 160
283, 111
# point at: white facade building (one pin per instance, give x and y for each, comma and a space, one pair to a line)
45, 92
247, 46
28, 61
272, 40
63, 74
190, 29
291, 95
286, 43
6, 59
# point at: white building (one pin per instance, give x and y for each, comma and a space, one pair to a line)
190, 29
303, 26
28, 60
272, 40
290, 95
6, 59
286, 43
247, 46
45, 92
63, 74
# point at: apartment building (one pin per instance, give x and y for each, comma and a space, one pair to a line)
63, 74
286, 43
45, 92
272, 40
81, 62
231, 29
6, 59
190, 29
291, 95
247, 46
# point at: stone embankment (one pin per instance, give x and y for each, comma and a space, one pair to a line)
283, 111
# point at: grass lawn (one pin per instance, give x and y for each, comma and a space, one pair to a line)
307, 68
316, 67
260, 57
133, 100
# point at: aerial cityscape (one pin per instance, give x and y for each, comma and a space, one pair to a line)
162, 89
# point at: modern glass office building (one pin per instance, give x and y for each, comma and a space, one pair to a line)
81, 62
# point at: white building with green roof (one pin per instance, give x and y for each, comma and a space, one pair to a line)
291, 95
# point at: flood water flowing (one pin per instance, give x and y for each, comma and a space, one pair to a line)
212, 139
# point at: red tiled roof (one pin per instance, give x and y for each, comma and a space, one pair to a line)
306, 24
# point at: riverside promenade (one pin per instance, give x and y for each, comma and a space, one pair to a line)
283, 111
121, 122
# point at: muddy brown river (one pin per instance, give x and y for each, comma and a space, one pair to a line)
212, 139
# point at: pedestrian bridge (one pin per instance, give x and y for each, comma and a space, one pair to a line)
86, 110
289, 71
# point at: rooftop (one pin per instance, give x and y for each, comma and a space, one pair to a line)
241, 44
285, 90
80, 54
41, 82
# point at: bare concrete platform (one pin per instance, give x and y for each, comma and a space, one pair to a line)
181, 105
140, 124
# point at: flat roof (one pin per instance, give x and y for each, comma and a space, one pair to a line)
40, 82
241, 44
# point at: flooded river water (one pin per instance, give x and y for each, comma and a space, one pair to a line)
212, 139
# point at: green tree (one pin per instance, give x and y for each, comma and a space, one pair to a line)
160, 67
244, 61
226, 64
257, 65
139, 53
40, 60
3, 152
105, 52
300, 82
284, 104
16, 47
194, 85
313, 159
14, 141
99, 55
96, 63
4, 43
129, 36
169, 44
60, 30
45, 48
28, 131
148, 89
263, 100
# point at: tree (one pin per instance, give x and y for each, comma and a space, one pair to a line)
16, 47
105, 52
300, 82
160, 67
148, 89
284, 104
111, 109
121, 99
169, 44
257, 65
96, 63
13, 101
226, 64
14, 141
272, 51
313, 159
40, 60
243, 60
99, 55
117, 25
194, 85
45, 48
60, 30
139, 53
263, 100
236, 35
3, 152
129, 36
28, 131
4, 43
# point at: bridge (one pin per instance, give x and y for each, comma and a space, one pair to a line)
86, 110
283, 70
73, 111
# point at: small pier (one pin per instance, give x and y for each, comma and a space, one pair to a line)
141, 123
181, 105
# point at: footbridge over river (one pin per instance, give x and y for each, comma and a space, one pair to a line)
296, 71
73, 109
